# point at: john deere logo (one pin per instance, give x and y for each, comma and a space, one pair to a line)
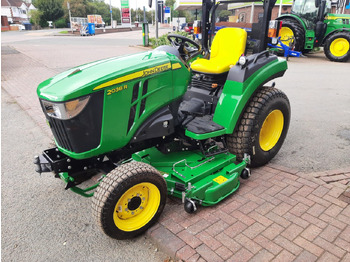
156, 69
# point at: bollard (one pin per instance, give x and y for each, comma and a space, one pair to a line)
145, 34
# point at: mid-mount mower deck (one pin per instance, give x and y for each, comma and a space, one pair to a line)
183, 120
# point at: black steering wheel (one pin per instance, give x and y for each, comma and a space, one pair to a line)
186, 47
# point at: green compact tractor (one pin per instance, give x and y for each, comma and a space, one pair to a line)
311, 25
182, 120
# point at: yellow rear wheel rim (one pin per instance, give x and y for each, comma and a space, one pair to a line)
287, 35
339, 47
136, 207
271, 130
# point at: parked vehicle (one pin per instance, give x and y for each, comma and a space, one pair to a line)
185, 120
311, 25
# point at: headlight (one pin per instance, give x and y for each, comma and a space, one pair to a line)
65, 110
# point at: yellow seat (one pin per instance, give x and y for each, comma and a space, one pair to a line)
228, 45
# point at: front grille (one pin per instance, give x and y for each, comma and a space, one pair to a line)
83, 132
60, 134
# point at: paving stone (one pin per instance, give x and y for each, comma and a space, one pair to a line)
327, 257
262, 256
264, 208
235, 229
288, 245
333, 210
254, 230
259, 218
217, 228
189, 239
278, 219
243, 255
318, 200
346, 234
292, 232
339, 252
185, 253
282, 208
272, 231
167, 241
208, 254
209, 240
311, 232
299, 209
228, 242
330, 233
314, 220
320, 191
268, 244
316, 210
306, 256
297, 220
307, 245
224, 252
172, 226
242, 217
248, 243
284, 256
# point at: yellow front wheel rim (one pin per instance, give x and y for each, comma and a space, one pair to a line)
271, 130
136, 207
339, 47
287, 35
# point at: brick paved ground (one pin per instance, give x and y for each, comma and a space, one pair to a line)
278, 214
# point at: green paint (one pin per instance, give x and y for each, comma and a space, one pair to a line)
196, 173
163, 88
81, 191
235, 96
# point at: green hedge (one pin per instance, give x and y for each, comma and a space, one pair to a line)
61, 23
162, 40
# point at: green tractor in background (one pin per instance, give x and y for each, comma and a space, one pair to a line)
184, 120
311, 25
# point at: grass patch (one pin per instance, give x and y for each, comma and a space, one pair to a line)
63, 32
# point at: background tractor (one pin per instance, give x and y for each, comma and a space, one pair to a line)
183, 120
311, 25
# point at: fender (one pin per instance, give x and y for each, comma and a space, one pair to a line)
333, 32
241, 84
295, 17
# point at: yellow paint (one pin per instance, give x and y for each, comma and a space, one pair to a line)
220, 179
148, 197
287, 35
142, 73
116, 90
222, 54
337, 17
271, 130
176, 66
339, 47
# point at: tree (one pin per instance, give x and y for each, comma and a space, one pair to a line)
116, 14
35, 16
224, 14
78, 8
100, 8
51, 10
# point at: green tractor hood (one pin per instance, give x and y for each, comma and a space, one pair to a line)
91, 77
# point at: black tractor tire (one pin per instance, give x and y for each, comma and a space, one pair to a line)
248, 138
129, 200
337, 47
298, 32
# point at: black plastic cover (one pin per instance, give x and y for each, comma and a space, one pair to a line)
82, 132
241, 73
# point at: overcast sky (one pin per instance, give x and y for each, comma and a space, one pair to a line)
132, 3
